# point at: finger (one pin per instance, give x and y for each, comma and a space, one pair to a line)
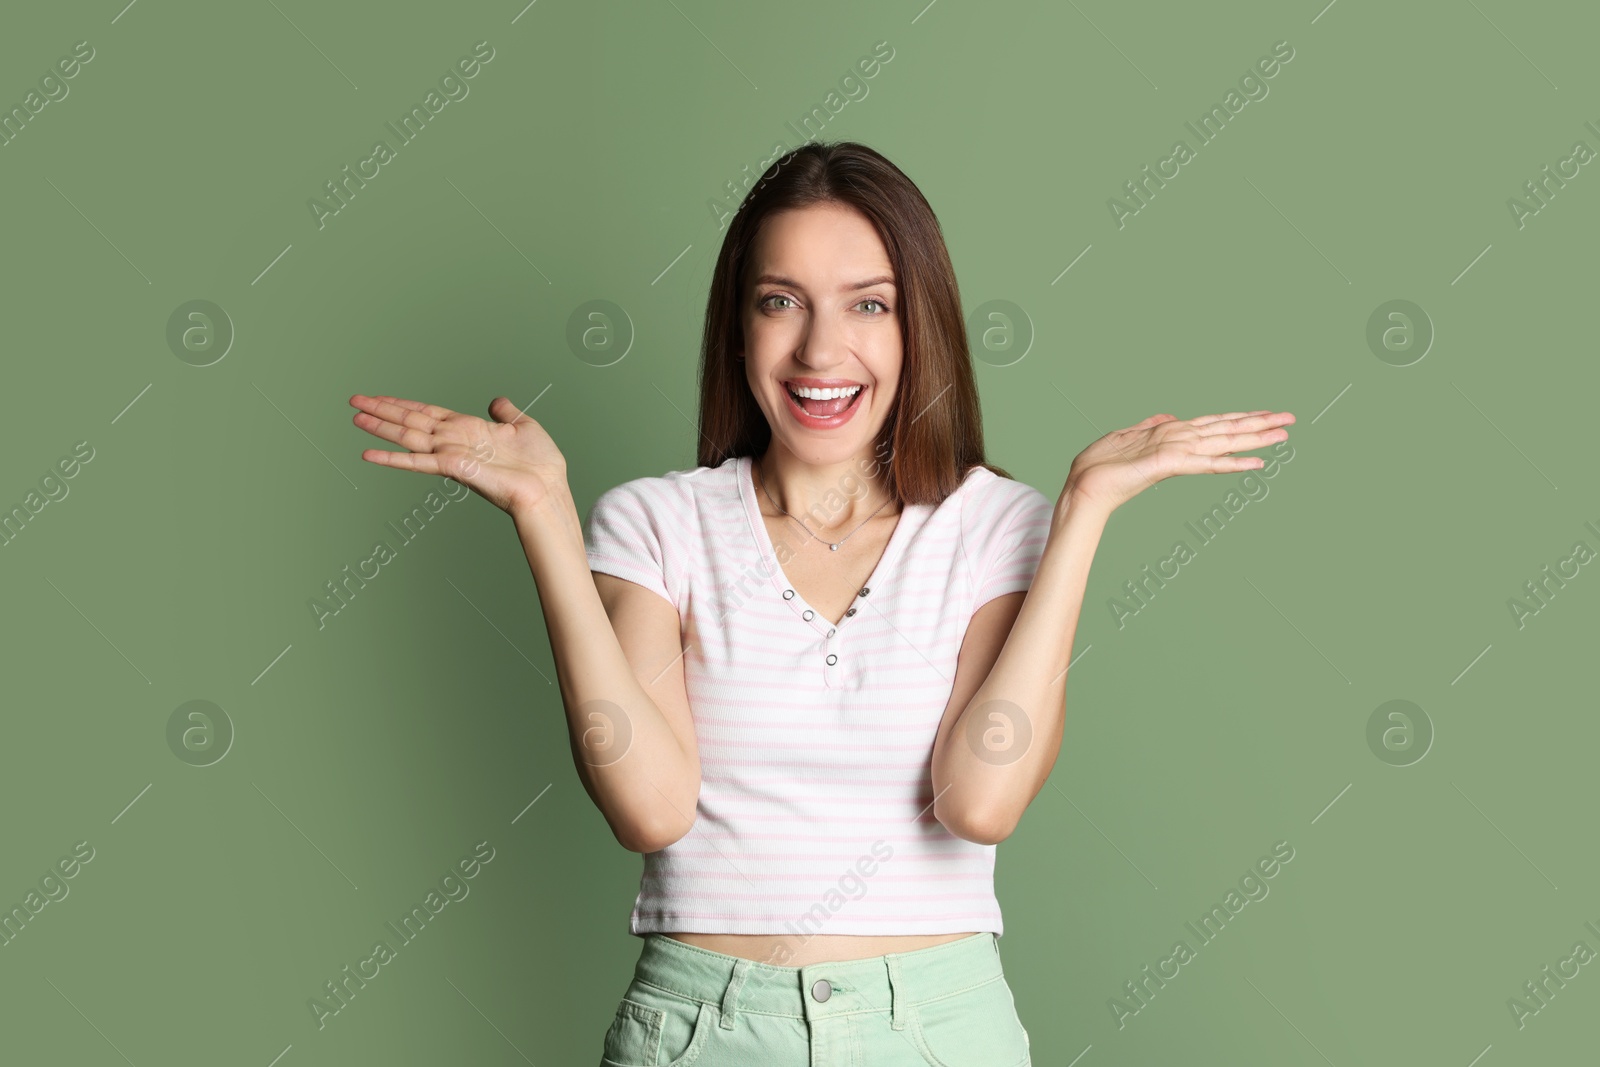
431, 410
1205, 420
1196, 463
391, 412
388, 410
1233, 464
1221, 444
415, 440
505, 411
1249, 423
417, 431
406, 461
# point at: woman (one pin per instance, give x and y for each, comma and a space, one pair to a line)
816, 678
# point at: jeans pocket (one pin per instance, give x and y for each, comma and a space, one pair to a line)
978, 1027
654, 1029
634, 1039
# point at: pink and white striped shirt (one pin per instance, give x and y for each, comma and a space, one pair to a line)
816, 737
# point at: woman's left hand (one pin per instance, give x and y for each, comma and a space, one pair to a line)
1124, 463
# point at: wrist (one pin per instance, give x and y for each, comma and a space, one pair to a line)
551, 533
1078, 505
551, 507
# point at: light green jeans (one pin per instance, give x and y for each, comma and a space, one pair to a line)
948, 1006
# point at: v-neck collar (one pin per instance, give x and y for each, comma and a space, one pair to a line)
780, 581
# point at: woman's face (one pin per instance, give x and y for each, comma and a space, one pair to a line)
821, 316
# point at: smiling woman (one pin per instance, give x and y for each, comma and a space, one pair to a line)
814, 701
893, 686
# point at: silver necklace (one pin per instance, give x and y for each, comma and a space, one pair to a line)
833, 545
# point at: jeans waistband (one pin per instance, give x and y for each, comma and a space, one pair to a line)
889, 983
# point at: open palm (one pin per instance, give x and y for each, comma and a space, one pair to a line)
510, 461
1123, 463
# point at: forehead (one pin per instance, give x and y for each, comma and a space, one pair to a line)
822, 244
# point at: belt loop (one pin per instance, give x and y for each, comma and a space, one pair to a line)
730, 998
897, 993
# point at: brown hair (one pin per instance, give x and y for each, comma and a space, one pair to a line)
931, 449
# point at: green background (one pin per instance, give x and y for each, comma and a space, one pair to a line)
370, 755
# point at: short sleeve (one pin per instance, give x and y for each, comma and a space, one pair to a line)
628, 534
1005, 538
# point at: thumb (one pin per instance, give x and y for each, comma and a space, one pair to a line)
503, 410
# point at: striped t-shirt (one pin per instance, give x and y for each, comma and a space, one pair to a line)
816, 737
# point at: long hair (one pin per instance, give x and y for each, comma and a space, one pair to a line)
933, 434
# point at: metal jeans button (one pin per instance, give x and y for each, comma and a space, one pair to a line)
821, 990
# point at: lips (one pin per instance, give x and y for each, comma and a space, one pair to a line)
827, 410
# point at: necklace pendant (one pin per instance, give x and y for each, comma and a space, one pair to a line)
834, 547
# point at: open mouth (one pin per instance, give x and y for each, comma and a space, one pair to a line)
824, 403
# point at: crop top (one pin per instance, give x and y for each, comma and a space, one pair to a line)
816, 738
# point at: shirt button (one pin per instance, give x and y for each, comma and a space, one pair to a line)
830, 631
809, 615
865, 590
849, 613
832, 659
821, 990
788, 594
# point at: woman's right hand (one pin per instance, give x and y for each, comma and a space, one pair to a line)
511, 462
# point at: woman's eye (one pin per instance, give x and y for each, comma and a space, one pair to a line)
768, 302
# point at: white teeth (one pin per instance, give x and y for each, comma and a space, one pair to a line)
823, 394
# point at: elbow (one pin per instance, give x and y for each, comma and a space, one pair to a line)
640, 839
983, 827
652, 834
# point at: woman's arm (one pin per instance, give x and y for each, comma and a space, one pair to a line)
620, 671
1002, 729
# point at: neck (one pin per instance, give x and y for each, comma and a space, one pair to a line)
825, 496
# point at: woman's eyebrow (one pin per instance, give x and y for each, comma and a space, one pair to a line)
778, 279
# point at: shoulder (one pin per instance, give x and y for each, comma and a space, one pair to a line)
669, 503
991, 503
645, 529
1005, 525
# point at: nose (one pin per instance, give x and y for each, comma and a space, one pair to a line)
824, 345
